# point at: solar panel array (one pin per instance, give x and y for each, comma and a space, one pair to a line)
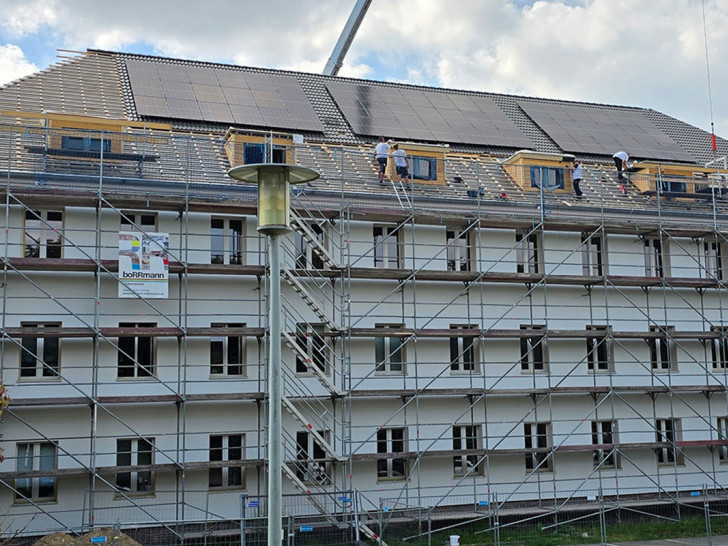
603, 131
416, 114
217, 94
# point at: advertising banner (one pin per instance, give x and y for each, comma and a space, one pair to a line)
143, 265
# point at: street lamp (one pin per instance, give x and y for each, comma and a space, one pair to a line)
274, 219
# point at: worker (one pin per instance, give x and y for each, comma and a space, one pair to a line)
401, 163
576, 176
380, 156
620, 161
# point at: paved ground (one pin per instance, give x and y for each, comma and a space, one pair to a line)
721, 540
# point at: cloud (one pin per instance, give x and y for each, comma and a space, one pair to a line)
13, 64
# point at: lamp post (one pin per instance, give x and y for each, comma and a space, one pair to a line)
274, 220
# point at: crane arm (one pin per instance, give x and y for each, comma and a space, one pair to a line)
347, 36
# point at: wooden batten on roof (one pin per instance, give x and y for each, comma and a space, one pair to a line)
519, 168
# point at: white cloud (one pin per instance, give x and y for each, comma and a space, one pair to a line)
13, 64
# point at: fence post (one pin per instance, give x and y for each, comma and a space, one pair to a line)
602, 518
429, 526
381, 520
706, 509
355, 499
496, 522
242, 519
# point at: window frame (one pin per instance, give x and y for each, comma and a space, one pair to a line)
226, 452
534, 350
669, 455
310, 338
307, 257
458, 249
719, 348
136, 478
45, 226
461, 347
529, 252
87, 144
386, 444
227, 246
602, 458
600, 349
312, 464
136, 365
471, 437
35, 484
593, 255
663, 350
147, 221
384, 351
227, 344
31, 348
715, 256
417, 161
722, 432
537, 175
386, 241
538, 461
657, 257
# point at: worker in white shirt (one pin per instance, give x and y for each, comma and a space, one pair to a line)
380, 155
620, 161
401, 162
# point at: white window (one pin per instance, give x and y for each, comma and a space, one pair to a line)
657, 259
458, 250
714, 255
537, 439
138, 221
40, 355
466, 438
599, 348
227, 352
389, 351
136, 353
135, 452
391, 446
592, 255
663, 352
528, 253
386, 247
723, 436
604, 436
308, 255
311, 464
534, 356
310, 340
229, 448
43, 234
719, 347
667, 432
462, 348
226, 241
38, 456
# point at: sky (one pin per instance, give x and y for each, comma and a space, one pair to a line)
645, 53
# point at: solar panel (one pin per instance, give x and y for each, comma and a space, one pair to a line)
603, 130
417, 114
220, 95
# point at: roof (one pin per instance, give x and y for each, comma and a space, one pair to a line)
118, 85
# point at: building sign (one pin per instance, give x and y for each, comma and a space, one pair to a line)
143, 264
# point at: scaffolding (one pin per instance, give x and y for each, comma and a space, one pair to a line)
445, 346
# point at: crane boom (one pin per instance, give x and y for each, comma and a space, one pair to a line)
347, 36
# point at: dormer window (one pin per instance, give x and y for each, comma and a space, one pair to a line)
548, 178
424, 168
83, 144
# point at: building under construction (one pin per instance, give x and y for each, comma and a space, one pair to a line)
474, 339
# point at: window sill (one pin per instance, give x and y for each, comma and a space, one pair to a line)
56, 379
21, 502
221, 377
237, 489
136, 495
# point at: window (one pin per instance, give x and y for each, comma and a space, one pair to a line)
533, 349
714, 253
227, 353
722, 430
657, 262
466, 437
604, 435
592, 255
668, 431
663, 353
462, 348
42, 234
228, 448
257, 153
85, 144
719, 347
389, 350
40, 355
308, 255
673, 183
136, 353
311, 465
386, 247
135, 452
424, 168
226, 241
599, 348
36, 456
310, 341
528, 253
390, 443
136, 221
548, 178
458, 250
537, 438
